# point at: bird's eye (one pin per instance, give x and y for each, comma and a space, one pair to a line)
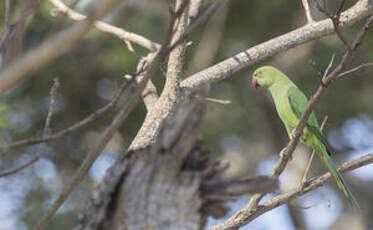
260, 73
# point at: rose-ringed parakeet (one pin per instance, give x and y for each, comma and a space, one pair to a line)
290, 103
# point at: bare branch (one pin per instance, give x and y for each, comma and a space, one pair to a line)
218, 101
328, 68
231, 189
288, 196
7, 23
200, 19
307, 11
355, 69
93, 116
126, 36
38, 57
335, 19
48, 120
7, 13
276, 45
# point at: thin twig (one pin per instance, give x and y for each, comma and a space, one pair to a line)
304, 178
314, 67
8, 26
290, 195
7, 13
357, 68
93, 116
48, 120
335, 19
200, 19
218, 101
328, 68
122, 34
307, 11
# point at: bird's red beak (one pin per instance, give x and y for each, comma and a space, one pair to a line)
254, 83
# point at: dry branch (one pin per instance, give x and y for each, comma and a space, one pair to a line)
228, 67
46, 131
78, 125
281, 199
107, 28
49, 50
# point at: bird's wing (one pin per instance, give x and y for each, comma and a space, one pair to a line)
298, 103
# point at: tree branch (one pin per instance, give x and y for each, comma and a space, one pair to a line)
46, 131
307, 11
355, 69
107, 28
93, 116
38, 57
288, 196
166, 102
307, 33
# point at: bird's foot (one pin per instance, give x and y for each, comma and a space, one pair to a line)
293, 132
282, 155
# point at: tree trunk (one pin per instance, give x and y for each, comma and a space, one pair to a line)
153, 187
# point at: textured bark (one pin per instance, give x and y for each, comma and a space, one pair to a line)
150, 188
165, 105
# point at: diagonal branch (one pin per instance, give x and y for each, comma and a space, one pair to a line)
51, 49
167, 101
41, 149
294, 193
80, 124
307, 11
249, 57
107, 28
355, 69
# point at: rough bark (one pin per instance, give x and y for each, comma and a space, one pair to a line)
149, 188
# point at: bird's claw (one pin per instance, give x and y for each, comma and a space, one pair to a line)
282, 155
293, 133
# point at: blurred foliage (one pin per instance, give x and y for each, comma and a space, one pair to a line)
245, 132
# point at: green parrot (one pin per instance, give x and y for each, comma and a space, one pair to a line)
290, 103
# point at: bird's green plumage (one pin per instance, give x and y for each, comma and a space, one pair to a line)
290, 104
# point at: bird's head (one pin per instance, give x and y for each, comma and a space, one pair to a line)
264, 77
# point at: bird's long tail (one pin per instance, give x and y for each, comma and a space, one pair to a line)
338, 177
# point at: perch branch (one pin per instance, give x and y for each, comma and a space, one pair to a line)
288, 196
310, 32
